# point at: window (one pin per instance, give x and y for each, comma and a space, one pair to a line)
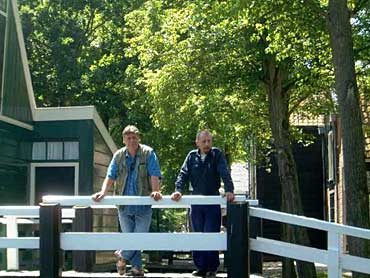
332, 206
71, 150
331, 157
55, 150
39, 151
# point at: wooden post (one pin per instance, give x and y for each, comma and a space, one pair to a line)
83, 261
12, 253
238, 240
50, 227
256, 258
334, 250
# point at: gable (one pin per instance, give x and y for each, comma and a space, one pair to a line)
16, 101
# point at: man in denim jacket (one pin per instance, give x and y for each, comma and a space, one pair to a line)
135, 171
204, 167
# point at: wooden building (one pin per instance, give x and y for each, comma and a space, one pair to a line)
61, 150
265, 185
335, 182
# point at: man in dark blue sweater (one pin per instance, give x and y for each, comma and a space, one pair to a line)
204, 167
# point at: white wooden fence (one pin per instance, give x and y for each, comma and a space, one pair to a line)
333, 257
12, 216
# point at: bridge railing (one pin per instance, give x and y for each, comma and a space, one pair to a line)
333, 257
51, 239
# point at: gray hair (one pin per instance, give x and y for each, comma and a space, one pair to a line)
204, 131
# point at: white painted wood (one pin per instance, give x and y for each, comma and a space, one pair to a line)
289, 250
309, 222
52, 164
15, 122
12, 253
31, 212
32, 221
20, 242
22, 48
20, 211
355, 263
143, 241
137, 200
76, 113
65, 113
334, 254
3, 65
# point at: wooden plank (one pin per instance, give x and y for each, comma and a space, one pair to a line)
21, 242
136, 200
354, 263
100, 170
143, 241
309, 222
19, 211
101, 158
73, 274
289, 250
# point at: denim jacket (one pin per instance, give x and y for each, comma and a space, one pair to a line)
205, 177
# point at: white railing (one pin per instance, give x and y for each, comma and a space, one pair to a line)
12, 216
165, 202
143, 241
333, 257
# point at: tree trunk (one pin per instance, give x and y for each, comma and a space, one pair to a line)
356, 192
278, 98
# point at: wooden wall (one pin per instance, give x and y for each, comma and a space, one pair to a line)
15, 153
310, 172
104, 220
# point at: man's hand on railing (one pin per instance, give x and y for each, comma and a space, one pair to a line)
229, 196
98, 196
176, 196
156, 195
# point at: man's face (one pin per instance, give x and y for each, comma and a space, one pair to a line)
204, 143
131, 140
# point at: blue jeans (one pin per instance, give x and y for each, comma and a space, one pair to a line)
206, 219
134, 221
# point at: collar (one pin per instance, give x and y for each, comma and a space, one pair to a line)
199, 154
138, 152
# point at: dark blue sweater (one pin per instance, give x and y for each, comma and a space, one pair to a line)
205, 177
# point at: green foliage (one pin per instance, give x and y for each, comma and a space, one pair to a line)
169, 220
174, 67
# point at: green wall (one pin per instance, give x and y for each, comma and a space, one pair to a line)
81, 131
15, 150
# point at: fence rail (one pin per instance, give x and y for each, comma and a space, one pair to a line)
333, 257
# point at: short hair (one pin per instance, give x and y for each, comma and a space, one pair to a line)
130, 129
204, 131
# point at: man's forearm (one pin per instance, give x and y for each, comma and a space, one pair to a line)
155, 183
107, 184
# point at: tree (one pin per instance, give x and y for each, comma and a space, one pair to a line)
338, 17
205, 63
357, 195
